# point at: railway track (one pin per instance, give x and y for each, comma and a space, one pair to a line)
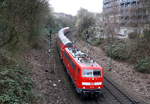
112, 95
118, 94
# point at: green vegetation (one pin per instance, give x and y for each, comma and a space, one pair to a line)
143, 65
16, 87
95, 41
15, 83
118, 51
133, 50
22, 23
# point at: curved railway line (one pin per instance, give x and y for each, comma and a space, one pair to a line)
111, 93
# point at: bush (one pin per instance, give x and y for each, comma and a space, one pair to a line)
143, 65
118, 51
16, 87
95, 41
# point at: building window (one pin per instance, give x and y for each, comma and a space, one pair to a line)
133, 3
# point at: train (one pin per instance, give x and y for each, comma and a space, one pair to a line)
87, 76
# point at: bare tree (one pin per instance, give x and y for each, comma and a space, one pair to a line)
85, 20
23, 19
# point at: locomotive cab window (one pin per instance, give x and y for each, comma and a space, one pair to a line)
91, 73
96, 73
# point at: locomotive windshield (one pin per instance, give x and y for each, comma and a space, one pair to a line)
96, 73
91, 73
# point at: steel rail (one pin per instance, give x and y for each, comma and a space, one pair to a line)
131, 100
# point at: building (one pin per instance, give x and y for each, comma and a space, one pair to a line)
127, 13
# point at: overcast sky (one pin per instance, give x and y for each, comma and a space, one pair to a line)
72, 6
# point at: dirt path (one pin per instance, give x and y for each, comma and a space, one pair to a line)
136, 84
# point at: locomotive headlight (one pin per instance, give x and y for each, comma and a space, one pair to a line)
86, 83
98, 83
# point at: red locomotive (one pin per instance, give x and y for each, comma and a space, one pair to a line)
85, 73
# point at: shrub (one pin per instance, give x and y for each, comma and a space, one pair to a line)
95, 41
16, 87
118, 51
143, 65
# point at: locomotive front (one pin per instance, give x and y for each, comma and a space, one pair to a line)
91, 80
91, 75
